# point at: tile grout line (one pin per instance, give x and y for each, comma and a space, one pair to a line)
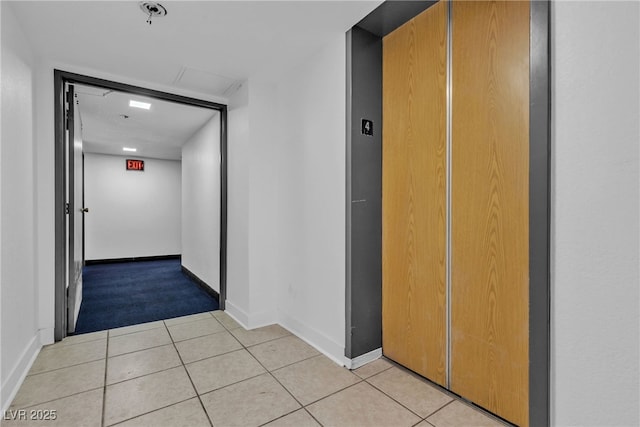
141, 330
195, 390
208, 357
394, 399
158, 327
289, 334
245, 348
190, 320
145, 375
182, 364
33, 405
150, 412
455, 397
300, 361
64, 367
373, 375
281, 385
202, 336
287, 365
440, 409
136, 331
484, 412
360, 381
312, 416
423, 381
62, 345
230, 384
104, 385
303, 407
142, 349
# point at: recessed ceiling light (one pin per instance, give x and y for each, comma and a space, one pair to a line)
138, 104
129, 149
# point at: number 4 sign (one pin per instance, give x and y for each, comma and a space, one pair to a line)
367, 127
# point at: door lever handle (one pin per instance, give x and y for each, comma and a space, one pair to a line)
84, 210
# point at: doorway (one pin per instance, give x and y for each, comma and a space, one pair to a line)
69, 208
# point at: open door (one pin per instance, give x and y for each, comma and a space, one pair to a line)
75, 210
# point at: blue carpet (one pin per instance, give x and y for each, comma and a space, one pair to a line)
128, 293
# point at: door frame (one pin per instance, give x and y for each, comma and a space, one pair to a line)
61, 78
364, 227
71, 209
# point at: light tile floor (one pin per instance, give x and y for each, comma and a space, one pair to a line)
205, 370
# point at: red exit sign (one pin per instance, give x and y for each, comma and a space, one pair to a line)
135, 165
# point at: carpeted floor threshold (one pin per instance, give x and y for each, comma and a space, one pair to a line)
128, 293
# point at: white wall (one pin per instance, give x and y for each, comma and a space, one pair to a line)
595, 279
201, 203
238, 202
266, 237
254, 235
311, 290
287, 138
19, 334
131, 213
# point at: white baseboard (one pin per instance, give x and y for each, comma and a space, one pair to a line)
14, 380
263, 318
318, 340
250, 320
46, 336
237, 313
325, 345
363, 359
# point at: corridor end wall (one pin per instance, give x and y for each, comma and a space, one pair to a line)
131, 213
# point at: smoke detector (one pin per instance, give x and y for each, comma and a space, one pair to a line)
152, 9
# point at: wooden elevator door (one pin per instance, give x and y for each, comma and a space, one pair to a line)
489, 212
490, 206
414, 194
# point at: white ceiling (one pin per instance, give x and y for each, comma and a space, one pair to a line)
205, 47
159, 132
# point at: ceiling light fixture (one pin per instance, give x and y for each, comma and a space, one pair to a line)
133, 150
138, 104
152, 9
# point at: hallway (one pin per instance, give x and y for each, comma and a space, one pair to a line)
284, 72
163, 373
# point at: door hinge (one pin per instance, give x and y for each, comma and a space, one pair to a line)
66, 208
